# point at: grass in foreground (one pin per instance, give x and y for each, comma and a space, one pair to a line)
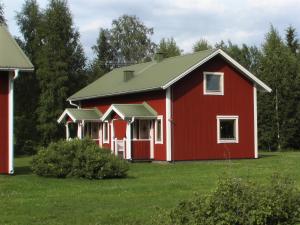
29, 199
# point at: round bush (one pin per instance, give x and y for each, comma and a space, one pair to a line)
78, 158
238, 202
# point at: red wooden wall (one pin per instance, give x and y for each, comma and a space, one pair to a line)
141, 150
156, 99
194, 115
4, 132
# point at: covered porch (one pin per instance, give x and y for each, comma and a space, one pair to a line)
131, 130
80, 123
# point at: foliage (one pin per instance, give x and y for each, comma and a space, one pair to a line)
279, 118
168, 47
78, 158
130, 40
201, 45
29, 21
60, 67
239, 202
291, 39
2, 18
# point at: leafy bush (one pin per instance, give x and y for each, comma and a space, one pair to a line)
238, 202
79, 158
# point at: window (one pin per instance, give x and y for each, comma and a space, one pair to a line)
213, 83
159, 130
141, 129
91, 130
105, 132
227, 128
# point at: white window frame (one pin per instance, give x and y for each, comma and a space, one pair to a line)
161, 130
222, 117
221, 92
103, 131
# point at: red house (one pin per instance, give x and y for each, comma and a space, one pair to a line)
191, 107
12, 60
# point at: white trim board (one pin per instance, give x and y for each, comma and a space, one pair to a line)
227, 117
247, 73
221, 92
110, 109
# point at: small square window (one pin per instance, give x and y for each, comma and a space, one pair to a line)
227, 127
213, 83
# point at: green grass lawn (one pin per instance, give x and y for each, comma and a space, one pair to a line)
29, 199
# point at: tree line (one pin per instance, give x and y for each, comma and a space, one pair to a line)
52, 42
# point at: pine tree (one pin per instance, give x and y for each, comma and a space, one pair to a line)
277, 110
291, 39
2, 18
168, 47
26, 87
201, 45
60, 65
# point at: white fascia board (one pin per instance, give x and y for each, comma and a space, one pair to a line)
66, 112
231, 60
110, 109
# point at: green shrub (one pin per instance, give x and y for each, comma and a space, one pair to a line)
79, 158
238, 202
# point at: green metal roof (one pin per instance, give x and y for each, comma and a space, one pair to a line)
80, 114
128, 111
11, 55
156, 75
147, 76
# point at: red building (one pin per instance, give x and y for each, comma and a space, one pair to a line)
190, 107
12, 60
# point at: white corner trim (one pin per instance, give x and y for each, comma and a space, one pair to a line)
110, 109
228, 117
66, 112
168, 125
231, 60
221, 92
105, 141
255, 122
128, 140
160, 117
11, 124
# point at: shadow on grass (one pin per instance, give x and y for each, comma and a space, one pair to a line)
22, 170
266, 155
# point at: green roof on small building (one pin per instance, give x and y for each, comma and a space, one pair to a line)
129, 111
80, 114
11, 55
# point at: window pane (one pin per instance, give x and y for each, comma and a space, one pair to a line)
87, 129
105, 131
158, 130
135, 130
94, 130
227, 129
144, 129
213, 82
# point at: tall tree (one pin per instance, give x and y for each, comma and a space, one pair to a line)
168, 47
291, 39
130, 40
2, 18
201, 45
29, 21
60, 65
278, 110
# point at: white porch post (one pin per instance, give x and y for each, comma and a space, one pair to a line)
79, 130
152, 139
11, 122
67, 131
128, 140
112, 136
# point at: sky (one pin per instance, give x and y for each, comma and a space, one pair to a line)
241, 21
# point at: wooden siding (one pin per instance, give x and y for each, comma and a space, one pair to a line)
140, 150
156, 99
194, 115
4, 118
